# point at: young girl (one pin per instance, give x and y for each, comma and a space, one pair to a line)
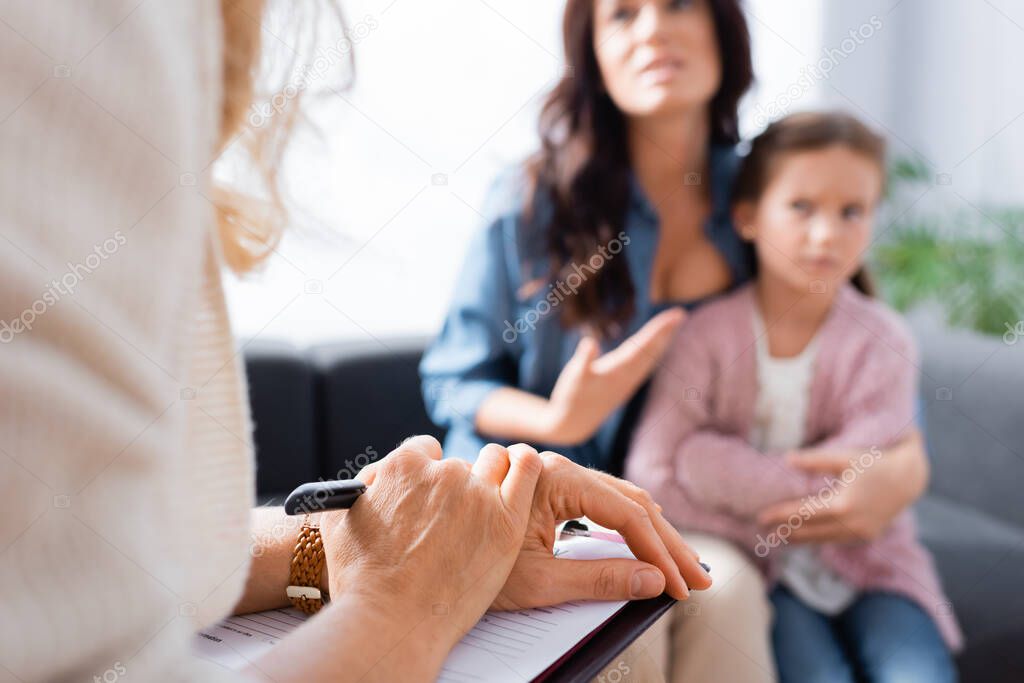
802, 357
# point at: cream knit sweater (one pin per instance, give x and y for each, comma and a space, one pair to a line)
125, 460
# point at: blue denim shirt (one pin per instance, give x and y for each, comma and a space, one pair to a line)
496, 335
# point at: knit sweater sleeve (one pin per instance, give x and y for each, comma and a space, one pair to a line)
106, 123
880, 383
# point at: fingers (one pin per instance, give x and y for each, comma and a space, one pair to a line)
368, 474
687, 561
824, 462
492, 464
675, 543
779, 513
613, 579
643, 350
686, 558
574, 491
519, 484
586, 351
788, 520
658, 330
422, 445
611, 508
823, 532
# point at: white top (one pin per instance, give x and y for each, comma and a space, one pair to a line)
780, 415
126, 475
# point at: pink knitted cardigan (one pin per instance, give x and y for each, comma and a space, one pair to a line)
691, 450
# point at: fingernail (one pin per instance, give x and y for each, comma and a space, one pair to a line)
647, 583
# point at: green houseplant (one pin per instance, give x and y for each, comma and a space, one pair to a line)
934, 246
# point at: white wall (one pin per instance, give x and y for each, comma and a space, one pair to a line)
943, 79
448, 87
453, 87
786, 38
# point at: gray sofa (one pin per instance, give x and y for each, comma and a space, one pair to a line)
972, 518
322, 412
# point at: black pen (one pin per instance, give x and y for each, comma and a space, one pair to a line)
317, 496
341, 494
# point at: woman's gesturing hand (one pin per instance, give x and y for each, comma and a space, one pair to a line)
591, 386
567, 491
432, 537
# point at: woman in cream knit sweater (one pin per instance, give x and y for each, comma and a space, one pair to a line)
126, 473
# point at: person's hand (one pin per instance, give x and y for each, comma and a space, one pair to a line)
432, 537
567, 491
591, 386
870, 488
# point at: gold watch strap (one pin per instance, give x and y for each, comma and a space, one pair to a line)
306, 569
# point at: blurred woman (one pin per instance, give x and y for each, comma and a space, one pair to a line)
589, 255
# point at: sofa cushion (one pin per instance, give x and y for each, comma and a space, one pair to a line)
371, 401
971, 389
282, 398
981, 561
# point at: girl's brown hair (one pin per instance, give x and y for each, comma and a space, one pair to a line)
583, 166
804, 132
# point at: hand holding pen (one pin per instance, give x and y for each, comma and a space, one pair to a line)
564, 490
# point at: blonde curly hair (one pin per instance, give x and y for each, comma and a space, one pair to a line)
250, 224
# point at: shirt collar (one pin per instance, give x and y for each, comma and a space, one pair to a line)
723, 162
